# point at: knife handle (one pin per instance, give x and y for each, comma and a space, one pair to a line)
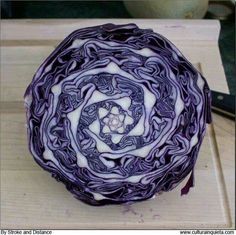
223, 104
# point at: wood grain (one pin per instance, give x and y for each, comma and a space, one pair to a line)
57, 29
30, 198
225, 139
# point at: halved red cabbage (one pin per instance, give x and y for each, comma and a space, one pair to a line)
117, 114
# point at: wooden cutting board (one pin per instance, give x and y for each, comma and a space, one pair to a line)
30, 198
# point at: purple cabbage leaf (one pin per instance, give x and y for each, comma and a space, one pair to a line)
117, 114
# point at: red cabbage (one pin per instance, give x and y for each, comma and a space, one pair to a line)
117, 114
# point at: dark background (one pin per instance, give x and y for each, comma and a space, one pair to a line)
114, 9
